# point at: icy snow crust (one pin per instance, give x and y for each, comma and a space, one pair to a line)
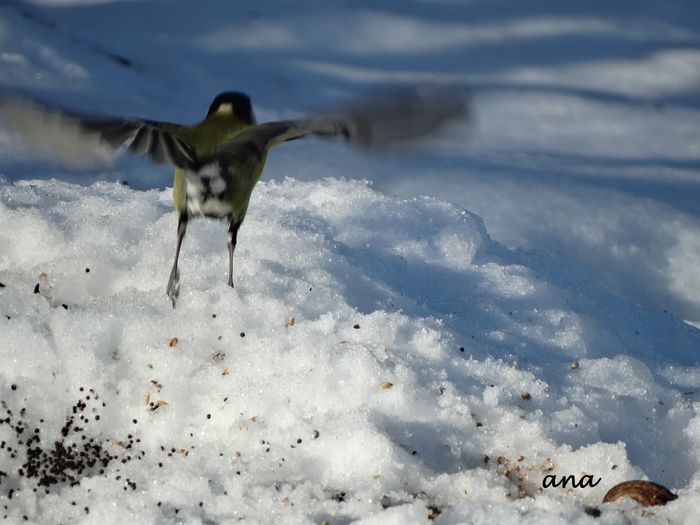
386, 356
296, 423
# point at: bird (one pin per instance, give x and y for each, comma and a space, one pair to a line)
219, 160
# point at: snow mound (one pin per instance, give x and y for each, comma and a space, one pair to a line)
380, 360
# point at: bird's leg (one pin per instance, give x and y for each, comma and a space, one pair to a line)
174, 281
232, 235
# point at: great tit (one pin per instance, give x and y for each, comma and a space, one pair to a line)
219, 160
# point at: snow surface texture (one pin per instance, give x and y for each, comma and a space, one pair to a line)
294, 422
428, 366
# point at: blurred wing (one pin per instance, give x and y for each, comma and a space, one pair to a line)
395, 116
375, 123
158, 140
82, 141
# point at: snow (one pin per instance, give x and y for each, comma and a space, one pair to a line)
412, 337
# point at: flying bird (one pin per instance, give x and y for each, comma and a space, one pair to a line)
219, 160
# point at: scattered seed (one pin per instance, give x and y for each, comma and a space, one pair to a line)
356, 326
526, 396
433, 512
386, 386
574, 365
173, 342
160, 403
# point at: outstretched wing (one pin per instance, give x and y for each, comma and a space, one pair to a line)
82, 141
158, 140
375, 123
395, 116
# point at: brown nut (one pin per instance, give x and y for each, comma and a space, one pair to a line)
647, 493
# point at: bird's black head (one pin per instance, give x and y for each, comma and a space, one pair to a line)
232, 103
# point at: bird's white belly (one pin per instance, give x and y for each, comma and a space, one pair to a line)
205, 192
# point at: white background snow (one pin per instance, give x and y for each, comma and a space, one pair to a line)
562, 226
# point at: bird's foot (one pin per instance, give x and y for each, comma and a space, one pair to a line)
174, 286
